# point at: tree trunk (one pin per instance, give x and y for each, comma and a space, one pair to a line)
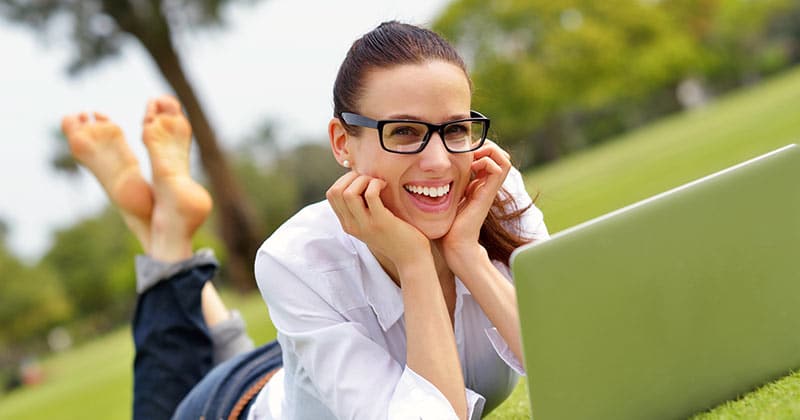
238, 226
235, 217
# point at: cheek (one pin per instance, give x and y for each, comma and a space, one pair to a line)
465, 168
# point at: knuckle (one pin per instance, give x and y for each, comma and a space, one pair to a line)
349, 194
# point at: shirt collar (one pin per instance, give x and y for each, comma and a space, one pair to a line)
461, 290
382, 294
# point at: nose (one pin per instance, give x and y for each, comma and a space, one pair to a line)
434, 157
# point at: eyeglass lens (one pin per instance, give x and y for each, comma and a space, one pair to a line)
408, 136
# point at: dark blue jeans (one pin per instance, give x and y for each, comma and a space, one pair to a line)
174, 355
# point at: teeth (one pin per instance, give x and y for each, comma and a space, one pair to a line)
429, 191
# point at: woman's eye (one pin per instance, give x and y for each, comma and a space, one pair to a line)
405, 131
456, 130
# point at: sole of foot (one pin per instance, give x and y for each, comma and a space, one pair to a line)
99, 145
181, 204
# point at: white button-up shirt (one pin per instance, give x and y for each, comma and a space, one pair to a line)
339, 318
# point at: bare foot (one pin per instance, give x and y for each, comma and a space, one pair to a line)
181, 204
98, 144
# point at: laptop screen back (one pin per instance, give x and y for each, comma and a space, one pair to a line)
670, 306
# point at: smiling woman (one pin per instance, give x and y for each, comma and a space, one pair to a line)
396, 287
391, 299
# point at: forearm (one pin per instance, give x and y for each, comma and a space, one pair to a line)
431, 350
496, 297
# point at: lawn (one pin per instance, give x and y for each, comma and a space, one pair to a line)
93, 381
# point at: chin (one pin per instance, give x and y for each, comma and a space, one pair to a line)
437, 231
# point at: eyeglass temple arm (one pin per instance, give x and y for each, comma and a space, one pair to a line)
359, 120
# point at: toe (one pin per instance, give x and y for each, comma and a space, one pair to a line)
69, 124
167, 104
151, 111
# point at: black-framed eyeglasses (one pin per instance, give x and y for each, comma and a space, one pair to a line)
410, 136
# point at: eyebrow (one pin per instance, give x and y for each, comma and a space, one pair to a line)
417, 118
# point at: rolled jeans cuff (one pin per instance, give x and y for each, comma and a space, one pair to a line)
150, 271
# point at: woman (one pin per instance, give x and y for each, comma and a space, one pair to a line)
391, 298
388, 289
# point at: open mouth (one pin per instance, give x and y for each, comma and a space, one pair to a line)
429, 197
432, 192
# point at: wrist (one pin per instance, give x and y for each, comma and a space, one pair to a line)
420, 266
412, 256
465, 255
468, 261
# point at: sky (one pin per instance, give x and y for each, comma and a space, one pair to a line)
276, 60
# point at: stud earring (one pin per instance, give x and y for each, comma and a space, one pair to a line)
346, 163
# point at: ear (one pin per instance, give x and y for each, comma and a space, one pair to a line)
339, 141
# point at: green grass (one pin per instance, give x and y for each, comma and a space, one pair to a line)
93, 381
669, 153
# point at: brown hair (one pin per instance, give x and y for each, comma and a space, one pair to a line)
392, 44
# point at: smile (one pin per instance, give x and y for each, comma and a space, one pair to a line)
433, 192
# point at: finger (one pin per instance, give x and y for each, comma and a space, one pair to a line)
335, 191
372, 196
336, 200
354, 198
485, 167
491, 143
495, 153
473, 185
489, 176
100, 117
83, 117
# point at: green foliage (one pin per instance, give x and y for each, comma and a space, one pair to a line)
556, 76
94, 260
313, 169
31, 301
279, 183
99, 27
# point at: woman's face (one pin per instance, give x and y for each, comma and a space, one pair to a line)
434, 92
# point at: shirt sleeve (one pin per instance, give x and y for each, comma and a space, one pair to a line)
354, 376
496, 340
531, 224
415, 398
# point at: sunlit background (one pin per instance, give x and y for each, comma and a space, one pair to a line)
601, 102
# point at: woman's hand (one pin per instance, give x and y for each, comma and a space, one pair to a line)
356, 201
490, 167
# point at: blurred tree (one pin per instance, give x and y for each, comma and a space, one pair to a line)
543, 66
293, 178
556, 75
744, 40
312, 167
99, 29
31, 302
94, 259
62, 159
